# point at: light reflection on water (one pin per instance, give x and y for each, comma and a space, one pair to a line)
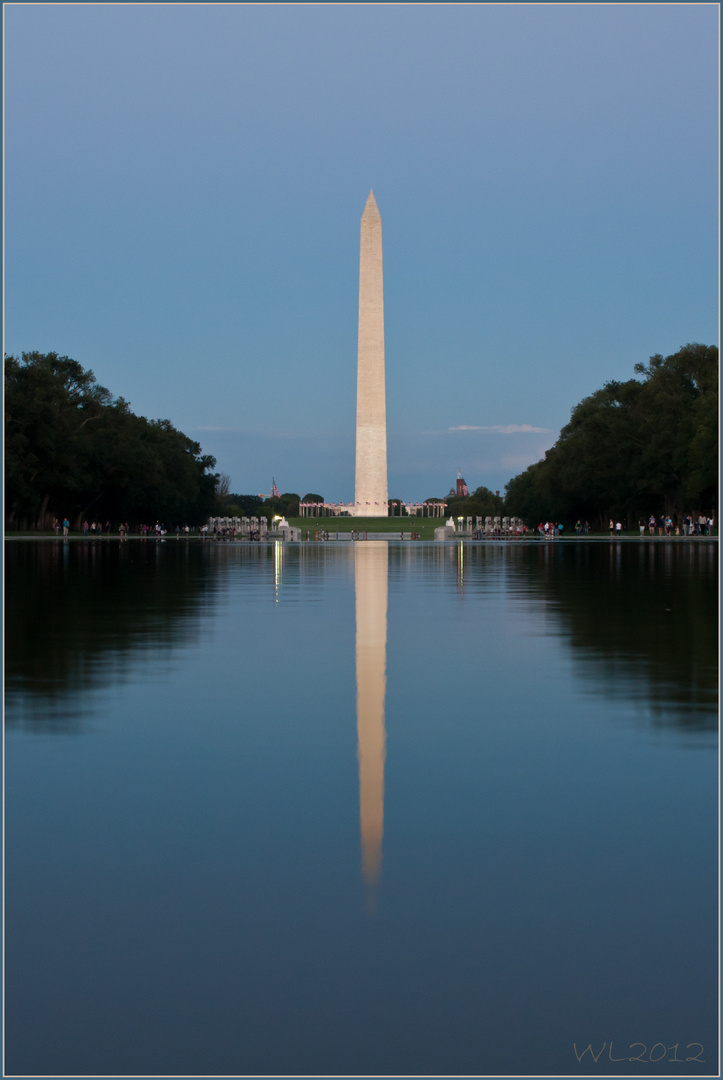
520, 735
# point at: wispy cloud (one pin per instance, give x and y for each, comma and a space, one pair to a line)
504, 429
267, 435
212, 427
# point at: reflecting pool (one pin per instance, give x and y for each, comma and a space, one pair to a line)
361, 809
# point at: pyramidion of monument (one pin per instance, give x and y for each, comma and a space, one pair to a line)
371, 210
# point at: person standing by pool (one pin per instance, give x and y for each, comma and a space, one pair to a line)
66, 526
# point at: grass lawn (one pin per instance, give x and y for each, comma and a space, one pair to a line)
424, 527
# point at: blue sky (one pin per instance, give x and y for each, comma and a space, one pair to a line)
184, 185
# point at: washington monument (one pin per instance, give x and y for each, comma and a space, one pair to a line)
370, 494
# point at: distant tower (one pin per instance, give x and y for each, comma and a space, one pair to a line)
370, 495
462, 488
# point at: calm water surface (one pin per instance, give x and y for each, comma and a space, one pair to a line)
367, 809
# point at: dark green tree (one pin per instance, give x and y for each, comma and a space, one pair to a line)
289, 504
480, 503
72, 449
249, 505
632, 448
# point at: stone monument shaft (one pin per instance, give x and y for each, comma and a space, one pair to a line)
370, 495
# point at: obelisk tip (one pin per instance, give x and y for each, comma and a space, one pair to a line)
371, 210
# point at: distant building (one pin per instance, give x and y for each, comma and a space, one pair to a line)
462, 489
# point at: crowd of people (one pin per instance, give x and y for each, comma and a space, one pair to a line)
98, 529
689, 525
665, 525
550, 530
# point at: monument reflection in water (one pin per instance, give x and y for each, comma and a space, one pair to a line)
371, 571
193, 824
371, 562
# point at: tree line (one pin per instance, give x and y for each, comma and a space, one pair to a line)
645, 446
72, 449
286, 505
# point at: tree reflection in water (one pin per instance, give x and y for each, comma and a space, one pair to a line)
641, 616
